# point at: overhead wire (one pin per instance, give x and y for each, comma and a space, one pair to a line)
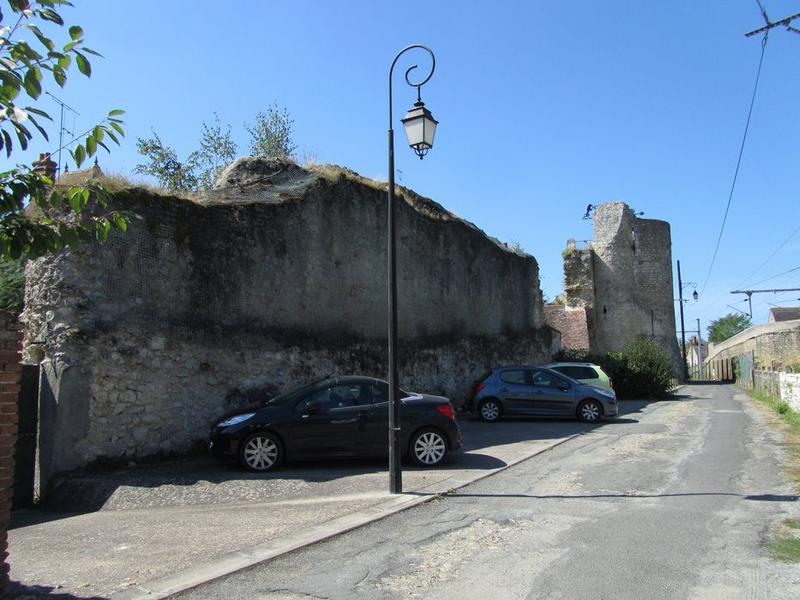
775, 276
759, 267
738, 161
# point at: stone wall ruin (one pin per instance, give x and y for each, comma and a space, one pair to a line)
274, 278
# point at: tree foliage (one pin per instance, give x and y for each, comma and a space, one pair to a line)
217, 149
163, 164
12, 283
26, 56
728, 326
271, 135
643, 369
200, 169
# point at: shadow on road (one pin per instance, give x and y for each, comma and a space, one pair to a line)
19, 591
89, 491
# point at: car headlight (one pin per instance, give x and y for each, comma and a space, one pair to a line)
235, 420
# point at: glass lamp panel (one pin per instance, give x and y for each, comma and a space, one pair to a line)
415, 130
429, 131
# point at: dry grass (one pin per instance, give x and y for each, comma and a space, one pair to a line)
118, 182
787, 421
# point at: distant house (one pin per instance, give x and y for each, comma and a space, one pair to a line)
789, 313
696, 351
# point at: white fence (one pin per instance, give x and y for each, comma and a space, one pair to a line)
790, 389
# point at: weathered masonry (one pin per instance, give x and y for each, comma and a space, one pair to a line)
275, 278
620, 286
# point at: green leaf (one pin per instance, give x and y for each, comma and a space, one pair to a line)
116, 112
97, 132
91, 145
8, 145
118, 129
75, 203
64, 61
36, 111
50, 15
19, 5
59, 76
45, 41
39, 127
78, 155
106, 148
112, 136
120, 221
83, 64
8, 93
93, 52
32, 86
75, 32
69, 46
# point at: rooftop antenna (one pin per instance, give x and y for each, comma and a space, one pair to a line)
61, 129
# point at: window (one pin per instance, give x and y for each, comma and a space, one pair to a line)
515, 377
340, 396
577, 372
377, 393
542, 379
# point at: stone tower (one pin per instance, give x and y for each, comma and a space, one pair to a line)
632, 279
623, 282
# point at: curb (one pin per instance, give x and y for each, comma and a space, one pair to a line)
232, 562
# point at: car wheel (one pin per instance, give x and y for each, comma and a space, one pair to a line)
428, 448
261, 451
490, 410
590, 411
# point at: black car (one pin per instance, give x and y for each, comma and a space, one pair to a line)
337, 416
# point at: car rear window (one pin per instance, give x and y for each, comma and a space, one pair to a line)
577, 372
516, 376
484, 376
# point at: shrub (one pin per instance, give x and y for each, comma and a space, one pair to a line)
643, 369
650, 368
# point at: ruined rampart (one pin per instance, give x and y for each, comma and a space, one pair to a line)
275, 278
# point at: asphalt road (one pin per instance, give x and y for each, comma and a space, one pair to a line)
675, 504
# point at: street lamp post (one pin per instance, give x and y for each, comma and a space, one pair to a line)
695, 296
420, 128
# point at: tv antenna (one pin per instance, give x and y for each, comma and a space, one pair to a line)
61, 129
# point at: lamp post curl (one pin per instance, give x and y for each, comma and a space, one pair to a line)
420, 128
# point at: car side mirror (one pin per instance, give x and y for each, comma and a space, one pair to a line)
313, 408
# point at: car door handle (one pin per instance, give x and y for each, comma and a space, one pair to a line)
341, 421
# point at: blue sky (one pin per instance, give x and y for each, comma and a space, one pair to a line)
544, 107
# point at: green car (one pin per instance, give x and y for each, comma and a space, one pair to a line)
586, 373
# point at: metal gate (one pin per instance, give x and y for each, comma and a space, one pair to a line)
724, 370
25, 452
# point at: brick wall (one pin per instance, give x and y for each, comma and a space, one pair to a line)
10, 377
571, 322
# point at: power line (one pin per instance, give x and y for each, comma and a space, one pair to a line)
786, 241
778, 275
738, 161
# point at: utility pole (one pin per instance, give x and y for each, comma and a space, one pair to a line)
750, 293
683, 330
787, 22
